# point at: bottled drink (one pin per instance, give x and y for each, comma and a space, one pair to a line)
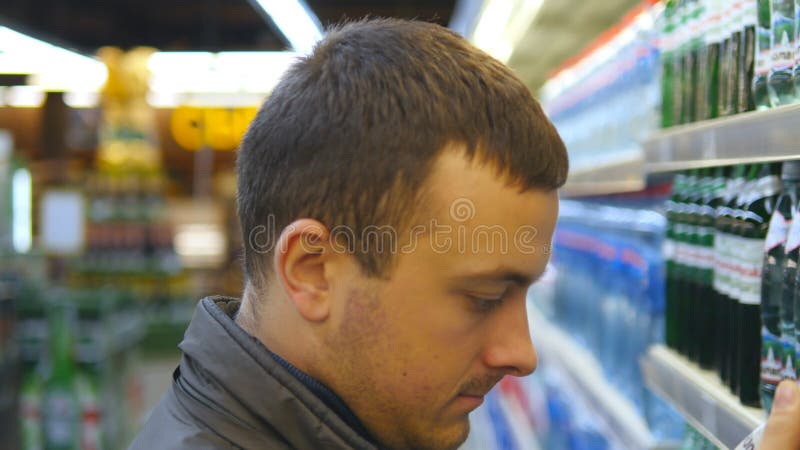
700, 34
754, 225
789, 272
772, 287
668, 38
735, 57
30, 405
669, 252
763, 55
781, 82
725, 66
690, 19
694, 262
796, 71
724, 271
747, 56
684, 227
60, 407
706, 297
712, 58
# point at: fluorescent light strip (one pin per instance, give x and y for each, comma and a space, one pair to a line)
21, 207
52, 67
502, 24
295, 20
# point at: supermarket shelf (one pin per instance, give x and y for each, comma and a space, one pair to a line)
770, 135
700, 396
623, 423
623, 175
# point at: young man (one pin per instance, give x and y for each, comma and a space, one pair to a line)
397, 196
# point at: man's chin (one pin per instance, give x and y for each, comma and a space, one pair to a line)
450, 438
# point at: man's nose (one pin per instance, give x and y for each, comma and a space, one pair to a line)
511, 349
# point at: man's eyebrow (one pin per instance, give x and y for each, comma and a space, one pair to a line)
501, 275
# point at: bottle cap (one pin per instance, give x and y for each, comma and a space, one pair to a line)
791, 169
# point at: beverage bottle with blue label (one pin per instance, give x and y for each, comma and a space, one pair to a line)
760, 207
772, 286
763, 55
791, 186
781, 75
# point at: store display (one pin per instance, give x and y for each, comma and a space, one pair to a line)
781, 75
607, 102
709, 52
617, 312
777, 302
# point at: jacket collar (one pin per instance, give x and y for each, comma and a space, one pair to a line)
225, 368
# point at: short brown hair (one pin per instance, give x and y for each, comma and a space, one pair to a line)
350, 133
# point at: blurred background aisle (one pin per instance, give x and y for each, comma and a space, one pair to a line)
666, 318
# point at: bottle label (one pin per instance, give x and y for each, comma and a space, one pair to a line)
668, 249
788, 366
719, 261
783, 36
771, 357
793, 236
751, 263
777, 232
763, 52
60, 418
753, 440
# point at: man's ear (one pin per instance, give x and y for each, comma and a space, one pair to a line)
301, 252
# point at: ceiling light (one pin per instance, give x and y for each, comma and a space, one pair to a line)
51, 67
502, 25
295, 20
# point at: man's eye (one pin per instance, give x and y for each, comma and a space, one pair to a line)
484, 304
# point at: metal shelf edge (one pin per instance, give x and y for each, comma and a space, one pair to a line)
768, 135
700, 396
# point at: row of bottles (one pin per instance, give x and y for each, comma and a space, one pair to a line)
609, 295
78, 388
726, 57
731, 260
707, 56
608, 101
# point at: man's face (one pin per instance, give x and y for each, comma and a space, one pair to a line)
414, 353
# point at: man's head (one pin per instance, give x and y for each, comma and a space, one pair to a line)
397, 196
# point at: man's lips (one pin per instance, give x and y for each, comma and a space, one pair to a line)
470, 401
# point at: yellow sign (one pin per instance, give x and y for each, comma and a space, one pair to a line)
218, 128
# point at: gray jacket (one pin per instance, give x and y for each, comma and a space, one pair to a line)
229, 393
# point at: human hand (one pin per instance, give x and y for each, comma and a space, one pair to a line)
783, 426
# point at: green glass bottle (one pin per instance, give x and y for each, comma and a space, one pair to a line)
754, 226
685, 286
763, 55
669, 251
706, 296
61, 418
747, 58
723, 226
781, 75
668, 37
